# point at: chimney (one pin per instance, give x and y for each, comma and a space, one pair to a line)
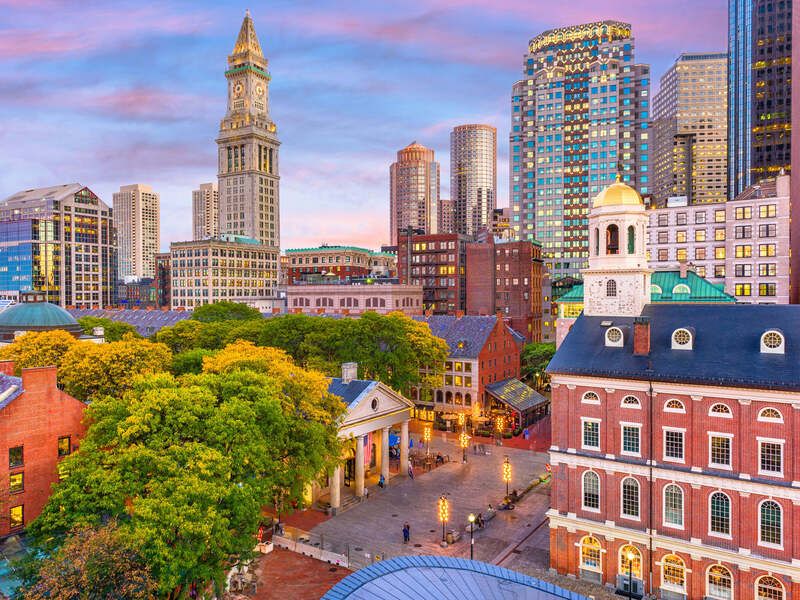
641, 336
349, 372
7, 367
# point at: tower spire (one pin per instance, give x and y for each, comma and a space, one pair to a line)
247, 41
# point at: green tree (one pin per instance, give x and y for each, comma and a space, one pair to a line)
535, 358
190, 361
114, 330
225, 311
38, 349
190, 335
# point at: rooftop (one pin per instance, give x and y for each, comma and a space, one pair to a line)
517, 395
350, 392
465, 336
147, 322
37, 316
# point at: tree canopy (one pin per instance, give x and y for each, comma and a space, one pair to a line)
114, 331
225, 311
535, 358
38, 349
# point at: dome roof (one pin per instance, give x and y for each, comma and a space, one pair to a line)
37, 316
618, 194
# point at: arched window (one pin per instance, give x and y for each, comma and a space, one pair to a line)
630, 498
769, 588
673, 505
719, 514
439, 396
448, 398
614, 337
612, 239
681, 288
631, 565
720, 410
770, 415
590, 398
631, 402
673, 573
467, 400
631, 239
591, 490
719, 583
611, 288
590, 553
770, 523
458, 397
674, 405
596, 241
772, 342
655, 289
682, 339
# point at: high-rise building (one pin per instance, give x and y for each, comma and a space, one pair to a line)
579, 117
690, 127
447, 216
137, 220
59, 241
473, 176
414, 191
205, 211
249, 199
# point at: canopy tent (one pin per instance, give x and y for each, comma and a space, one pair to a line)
527, 403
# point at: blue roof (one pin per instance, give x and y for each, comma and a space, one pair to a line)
726, 347
443, 578
350, 392
465, 335
7, 390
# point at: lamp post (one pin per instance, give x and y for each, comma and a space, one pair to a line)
426, 436
506, 472
499, 423
630, 556
444, 515
464, 442
471, 519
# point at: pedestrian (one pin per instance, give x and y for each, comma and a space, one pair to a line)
410, 469
366, 493
406, 533
381, 481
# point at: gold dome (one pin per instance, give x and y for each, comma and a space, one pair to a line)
618, 194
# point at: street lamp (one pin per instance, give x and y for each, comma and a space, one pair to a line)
506, 473
426, 436
630, 555
462, 420
471, 519
444, 515
464, 442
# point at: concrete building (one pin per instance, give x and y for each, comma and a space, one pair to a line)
337, 262
447, 216
758, 246
354, 297
60, 241
473, 176
506, 278
248, 166
579, 117
233, 268
139, 293
690, 130
163, 280
413, 191
438, 264
205, 211
138, 223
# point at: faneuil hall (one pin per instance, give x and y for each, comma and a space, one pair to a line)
674, 428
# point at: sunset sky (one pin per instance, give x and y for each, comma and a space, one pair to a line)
112, 93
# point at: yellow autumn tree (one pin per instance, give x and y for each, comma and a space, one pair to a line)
39, 349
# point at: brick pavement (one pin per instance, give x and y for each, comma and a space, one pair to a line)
287, 575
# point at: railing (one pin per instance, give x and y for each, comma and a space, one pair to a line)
326, 549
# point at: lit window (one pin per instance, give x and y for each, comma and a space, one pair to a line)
719, 451
772, 342
632, 565
769, 588
770, 415
614, 337
673, 573
682, 339
674, 405
16, 517
590, 398
720, 583
720, 410
590, 554
16, 483
64, 447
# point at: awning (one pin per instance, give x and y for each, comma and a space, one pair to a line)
516, 395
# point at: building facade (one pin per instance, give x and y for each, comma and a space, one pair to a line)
248, 165
232, 268
414, 191
579, 116
473, 176
141, 293
506, 278
163, 280
205, 211
138, 223
354, 298
690, 130
447, 216
60, 241
337, 262
438, 264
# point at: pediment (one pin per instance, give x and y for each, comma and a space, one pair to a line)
374, 403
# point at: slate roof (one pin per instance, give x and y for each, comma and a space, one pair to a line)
443, 578
516, 394
350, 392
726, 347
147, 322
10, 388
465, 336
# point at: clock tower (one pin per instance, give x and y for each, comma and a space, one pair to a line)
249, 198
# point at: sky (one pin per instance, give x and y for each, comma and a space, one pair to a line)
113, 93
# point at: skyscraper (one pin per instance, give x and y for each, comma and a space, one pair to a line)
690, 130
205, 211
473, 176
414, 191
579, 117
138, 224
249, 199
446, 216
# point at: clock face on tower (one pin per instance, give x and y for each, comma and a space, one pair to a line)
237, 89
259, 90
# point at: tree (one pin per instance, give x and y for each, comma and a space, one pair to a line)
38, 349
225, 311
94, 561
113, 330
190, 361
535, 358
190, 335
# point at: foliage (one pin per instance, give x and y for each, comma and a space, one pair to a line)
38, 349
224, 311
89, 371
94, 560
114, 330
190, 361
535, 358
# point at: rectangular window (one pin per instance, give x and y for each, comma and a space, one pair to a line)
719, 216
719, 234
767, 289
744, 251
630, 498
680, 219
663, 237
700, 235
16, 517
743, 270
743, 232
680, 254
15, 457
700, 217
673, 445
767, 269
719, 270
743, 212
767, 249
64, 447
770, 458
767, 230
719, 252
663, 220
700, 253
743, 289
719, 451
630, 439
663, 254
680, 237
16, 483
591, 435
766, 211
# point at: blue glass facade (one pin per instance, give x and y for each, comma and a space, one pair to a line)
740, 50
16, 256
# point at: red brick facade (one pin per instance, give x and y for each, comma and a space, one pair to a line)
438, 264
46, 424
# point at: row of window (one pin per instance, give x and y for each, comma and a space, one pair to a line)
771, 341
16, 454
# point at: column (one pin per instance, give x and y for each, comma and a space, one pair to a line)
336, 489
385, 454
359, 466
404, 447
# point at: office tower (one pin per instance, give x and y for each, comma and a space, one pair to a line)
447, 216
579, 118
60, 241
137, 220
205, 211
249, 199
473, 176
690, 130
414, 191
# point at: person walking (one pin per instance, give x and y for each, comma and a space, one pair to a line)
406, 532
410, 470
381, 481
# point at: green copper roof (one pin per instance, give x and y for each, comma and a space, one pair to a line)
36, 314
669, 286
330, 248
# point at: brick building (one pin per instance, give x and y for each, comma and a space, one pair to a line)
341, 262
163, 280
354, 297
438, 264
506, 277
39, 426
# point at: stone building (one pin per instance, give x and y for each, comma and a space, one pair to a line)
137, 218
414, 191
337, 297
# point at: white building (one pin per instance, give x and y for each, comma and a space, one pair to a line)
138, 223
205, 211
